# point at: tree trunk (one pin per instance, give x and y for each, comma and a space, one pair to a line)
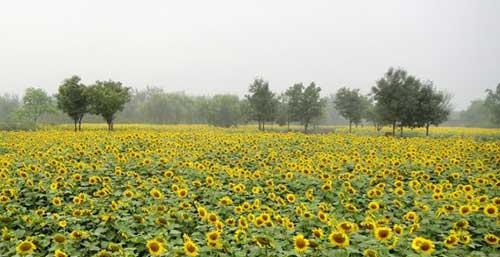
393, 128
306, 124
80, 123
427, 129
350, 126
288, 125
401, 131
263, 125
75, 123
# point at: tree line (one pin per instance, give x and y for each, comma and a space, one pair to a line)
398, 100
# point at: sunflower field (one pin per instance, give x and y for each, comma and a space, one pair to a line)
202, 191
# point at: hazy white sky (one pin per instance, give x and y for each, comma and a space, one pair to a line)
208, 47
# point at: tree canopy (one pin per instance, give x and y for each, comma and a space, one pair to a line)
73, 100
35, 103
262, 102
351, 105
492, 102
106, 98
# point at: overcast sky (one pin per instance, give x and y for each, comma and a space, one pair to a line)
209, 47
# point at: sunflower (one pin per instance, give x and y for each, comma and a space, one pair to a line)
182, 192
382, 233
317, 232
465, 209
202, 212
300, 243
25, 247
491, 239
339, 238
451, 241
190, 248
59, 253
422, 245
347, 227
155, 247
213, 236
490, 210
57, 201
373, 206
370, 253
155, 193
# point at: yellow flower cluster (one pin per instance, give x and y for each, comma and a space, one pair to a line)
201, 191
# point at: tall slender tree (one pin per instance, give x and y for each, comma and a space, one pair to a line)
73, 100
262, 102
492, 102
311, 105
351, 105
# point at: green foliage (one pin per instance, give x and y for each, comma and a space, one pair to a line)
404, 100
311, 105
224, 111
35, 103
72, 99
492, 102
294, 95
106, 98
351, 105
9, 104
433, 106
476, 115
262, 102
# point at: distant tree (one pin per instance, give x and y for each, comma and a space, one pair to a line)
35, 103
73, 100
9, 105
224, 111
294, 95
373, 115
433, 106
246, 111
351, 105
395, 98
476, 115
262, 102
311, 105
106, 98
492, 102
282, 113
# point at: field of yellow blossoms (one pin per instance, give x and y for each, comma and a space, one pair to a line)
201, 191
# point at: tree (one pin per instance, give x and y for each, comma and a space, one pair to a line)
373, 115
224, 111
351, 105
9, 105
492, 102
294, 95
106, 98
476, 115
395, 97
433, 106
35, 103
311, 105
72, 100
282, 113
262, 102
